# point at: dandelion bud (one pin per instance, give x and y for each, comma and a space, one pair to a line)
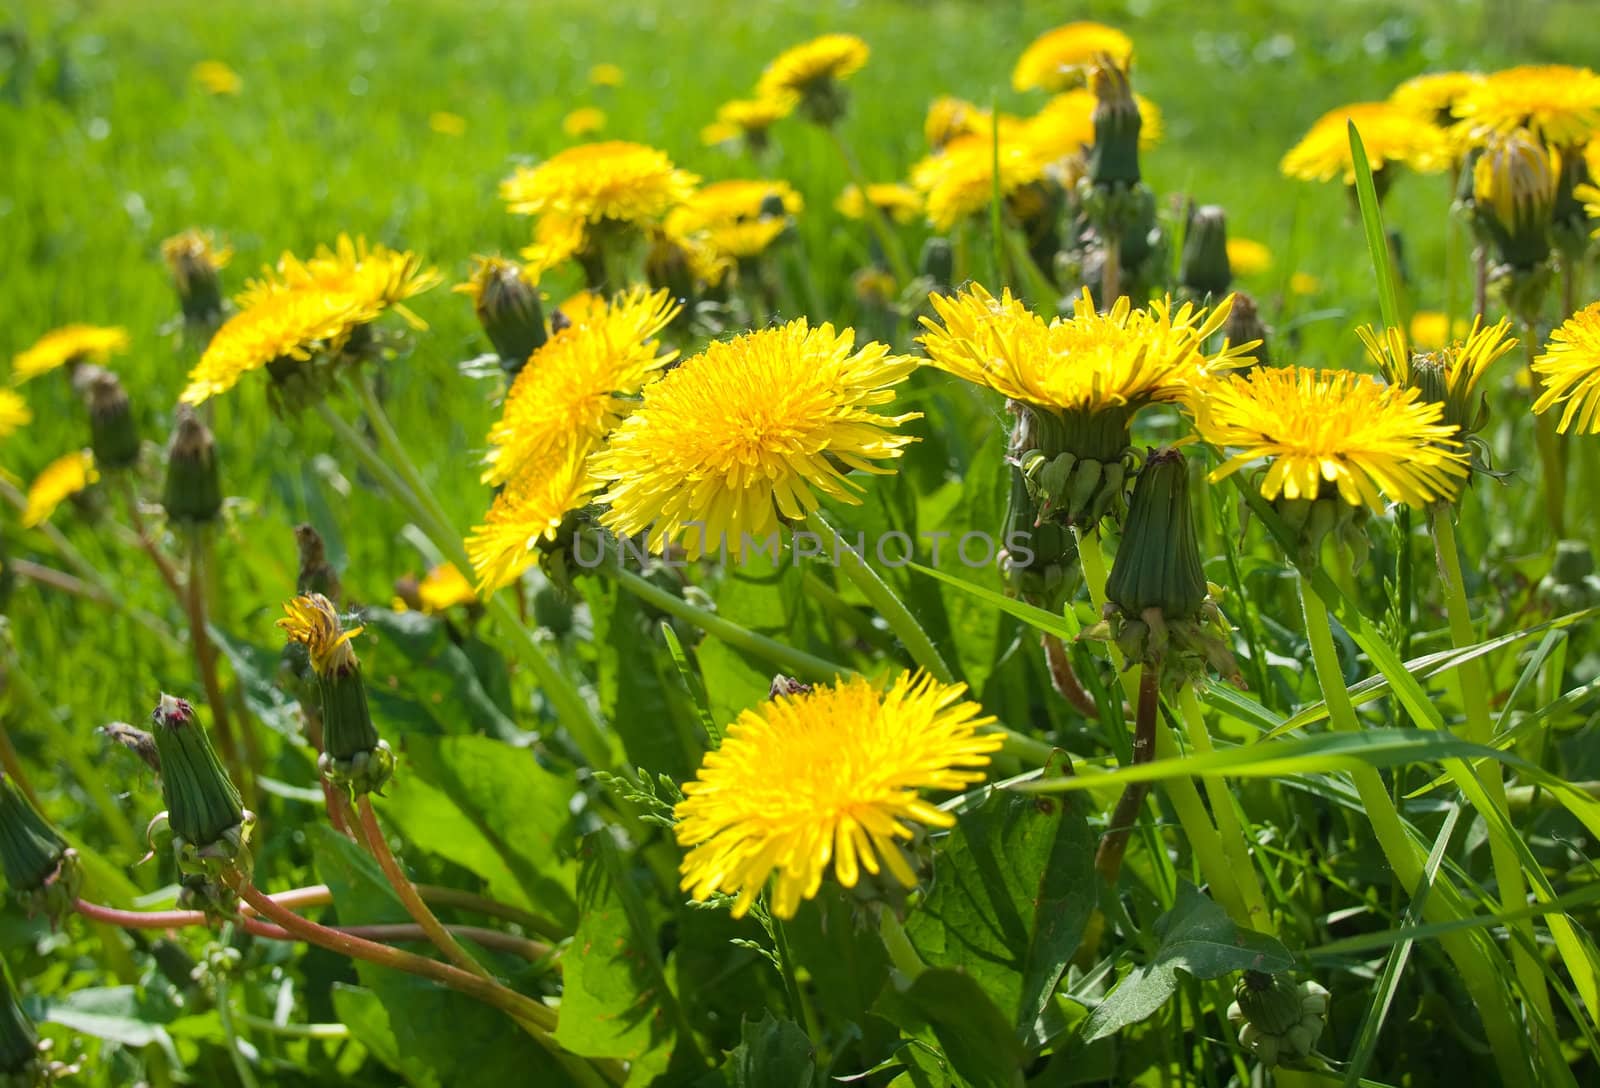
1513, 194
193, 493
1114, 158
938, 263
316, 573
1205, 268
507, 305
113, 434
210, 827
194, 261
41, 870
1244, 326
19, 1043
353, 755
1279, 1020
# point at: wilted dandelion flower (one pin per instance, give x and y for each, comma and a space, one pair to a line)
1333, 426
313, 622
446, 123
14, 413
615, 180
443, 588
215, 77
827, 778
1389, 133
61, 479
1433, 96
527, 512
1558, 103
374, 277
1248, 257
1570, 371
801, 71
960, 180
584, 121
751, 428
606, 75
1446, 372
900, 203
291, 325
574, 389
68, 346
1061, 58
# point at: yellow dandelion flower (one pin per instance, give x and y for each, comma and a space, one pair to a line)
578, 385
526, 512
900, 203
950, 118
718, 132
1334, 426
1431, 330
1463, 355
1516, 179
443, 588
1061, 58
446, 123
557, 238
1558, 103
960, 180
1304, 283
14, 413
753, 116
1065, 126
215, 77
375, 277
1389, 133
1433, 97
286, 325
68, 345
750, 428
830, 778
313, 622
584, 121
614, 179
1084, 364
798, 71
606, 75
1569, 369
729, 216
61, 479
194, 249
1248, 257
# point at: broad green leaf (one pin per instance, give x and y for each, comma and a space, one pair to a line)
975, 1036
360, 1010
408, 657
1198, 938
256, 669
617, 1002
515, 804
1012, 890
841, 950
978, 500
632, 681
773, 1054
113, 1013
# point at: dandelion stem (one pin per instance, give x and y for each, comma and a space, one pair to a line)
1108, 858
801, 664
392, 447
437, 933
884, 599
901, 951
1230, 832
294, 1031
893, 251
1472, 686
1480, 971
241, 763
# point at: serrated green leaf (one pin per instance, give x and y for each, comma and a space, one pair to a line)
773, 1054
974, 1035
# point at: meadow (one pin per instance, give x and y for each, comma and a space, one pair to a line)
1273, 762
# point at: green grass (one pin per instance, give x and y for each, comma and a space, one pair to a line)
109, 148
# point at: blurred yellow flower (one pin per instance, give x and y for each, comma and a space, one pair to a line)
1248, 257
584, 121
193, 250
373, 276
615, 180
557, 238
1433, 96
1304, 283
289, 325
1389, 133
900, 203
446, 123
1336, 427
443, 588
1065, 126
1570, 372
605, 75
61, 479
950, 118
1558, 103
1059, 59
14, 413
528, 511
798, 71
829, 778
749, 429
749, 118
1432, 330
215, 77
737, 219
68, 346
960, 180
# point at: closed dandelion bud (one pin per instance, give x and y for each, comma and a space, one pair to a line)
210, 827
19, 1043
194, 260
1205, 268
507, 305
1114, 157
1279, 1020
353, 754
113, 434
41, 870
937, 263
1079, 469
1244, 326
1513, 195
193, 492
